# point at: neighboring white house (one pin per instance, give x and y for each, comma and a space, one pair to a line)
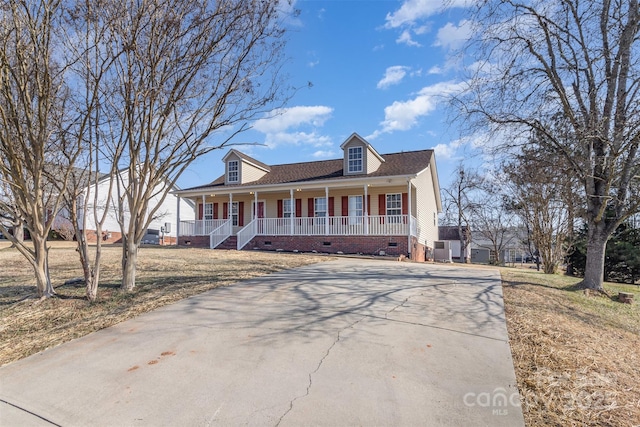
511, 244
364, 202
164, 223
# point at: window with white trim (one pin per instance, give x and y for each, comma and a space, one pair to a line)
287, 211
394, 207
208, 211
320, 207
234, 214
232, 171
355, 209
354, 159
319, 211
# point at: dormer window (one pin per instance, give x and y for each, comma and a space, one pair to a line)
232, 171
355, 159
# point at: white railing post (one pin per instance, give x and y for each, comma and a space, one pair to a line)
409, 217
326, 213
292, 213
365, 208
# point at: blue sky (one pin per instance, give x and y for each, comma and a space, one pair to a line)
378, 68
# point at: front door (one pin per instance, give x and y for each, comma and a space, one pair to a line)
258, 212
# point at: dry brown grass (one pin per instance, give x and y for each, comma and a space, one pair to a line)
577, 357
165, 275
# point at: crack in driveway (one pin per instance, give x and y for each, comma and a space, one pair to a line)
310, 384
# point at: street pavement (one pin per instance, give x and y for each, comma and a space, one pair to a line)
348, 342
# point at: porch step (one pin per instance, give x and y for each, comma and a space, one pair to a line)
230, 244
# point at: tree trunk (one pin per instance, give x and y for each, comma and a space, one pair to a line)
18, 232
129, 261
41, 269
594, 269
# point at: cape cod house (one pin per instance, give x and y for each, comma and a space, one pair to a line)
363, 203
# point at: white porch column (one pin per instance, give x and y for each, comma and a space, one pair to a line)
229, 208
178, 221
326, 213
409, 217
293, 210
202, 233
365, 209
255, 205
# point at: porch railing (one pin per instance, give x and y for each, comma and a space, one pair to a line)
220, 234
373, 225
199, 227
247, 233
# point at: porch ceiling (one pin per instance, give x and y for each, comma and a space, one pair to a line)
358, 183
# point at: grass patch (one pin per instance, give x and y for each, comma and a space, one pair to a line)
576, 356
165, 275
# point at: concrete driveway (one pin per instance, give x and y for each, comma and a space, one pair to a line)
345, 342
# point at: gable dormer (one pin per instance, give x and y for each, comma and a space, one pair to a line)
241, 169
360, 158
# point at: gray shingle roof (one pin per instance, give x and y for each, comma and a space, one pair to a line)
405, 163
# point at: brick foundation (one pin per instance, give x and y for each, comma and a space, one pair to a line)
194, 241
368, 245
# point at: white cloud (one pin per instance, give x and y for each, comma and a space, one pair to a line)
436, 69
314, 139
295, 126
415, 10
453, 36
405, 38
393, 76
324, 154
403, 115
444, 152
284, 118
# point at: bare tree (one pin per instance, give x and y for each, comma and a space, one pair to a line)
184, 72
541, 193
459, 204
32, 117
491, 220
577, 59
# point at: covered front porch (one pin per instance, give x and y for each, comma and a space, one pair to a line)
332, 219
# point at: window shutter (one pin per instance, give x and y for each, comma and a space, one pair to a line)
280, 209
225, 210
200, 211
382, 204
241, 214
215, 211
298, 208
331, 207
345, 205
405, 203
310, 207
368, 204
